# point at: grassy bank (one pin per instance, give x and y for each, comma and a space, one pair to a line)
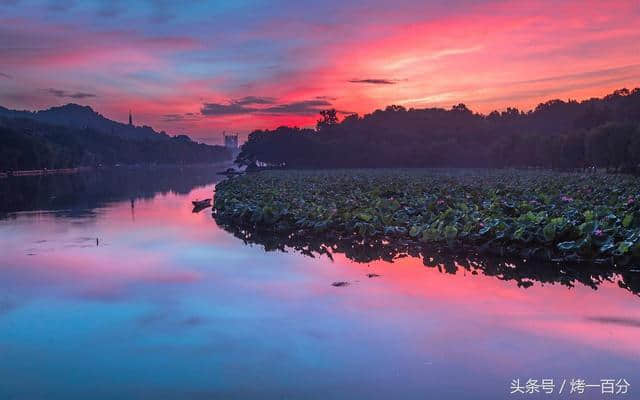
532, 215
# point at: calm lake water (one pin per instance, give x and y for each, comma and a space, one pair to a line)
168, 305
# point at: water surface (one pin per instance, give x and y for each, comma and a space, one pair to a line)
167, 305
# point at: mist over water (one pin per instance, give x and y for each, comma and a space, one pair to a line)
111, 287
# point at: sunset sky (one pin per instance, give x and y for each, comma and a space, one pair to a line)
200, 67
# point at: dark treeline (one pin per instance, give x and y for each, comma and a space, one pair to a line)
30, 144
602, 132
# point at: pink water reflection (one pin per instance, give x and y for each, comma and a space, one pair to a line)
189, 285
554, 311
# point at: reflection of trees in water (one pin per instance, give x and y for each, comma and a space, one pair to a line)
81, 193
524, 272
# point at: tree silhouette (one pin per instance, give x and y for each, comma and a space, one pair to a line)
565, 135
329, 118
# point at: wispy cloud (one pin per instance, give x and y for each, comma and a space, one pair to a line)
405, 61
600, 73
434, 98
240, 107
326, 98
634, 323
374, 81
6, 76
180, 117
249, 100
71, 95
298, 107
219, 109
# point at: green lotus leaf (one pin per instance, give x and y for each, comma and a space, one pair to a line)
549, 232
588, 215
624, 247
365, 217
628, 219
415, 231
587, 228
451, 232
519, 233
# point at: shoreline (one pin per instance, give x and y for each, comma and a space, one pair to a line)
40, 172
75, 170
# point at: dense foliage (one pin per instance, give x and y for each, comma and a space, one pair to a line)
531, 215
29, 144
557, 134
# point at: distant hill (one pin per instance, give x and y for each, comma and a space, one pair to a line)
74, 135
84, 117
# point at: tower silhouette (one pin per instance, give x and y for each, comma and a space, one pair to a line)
130, 118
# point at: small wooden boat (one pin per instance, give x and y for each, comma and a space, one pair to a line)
197, 209
201, 203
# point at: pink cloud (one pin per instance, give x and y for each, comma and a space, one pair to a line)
488, 55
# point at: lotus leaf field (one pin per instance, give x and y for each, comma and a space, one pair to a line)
539, 215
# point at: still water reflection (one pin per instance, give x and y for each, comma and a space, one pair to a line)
167, 305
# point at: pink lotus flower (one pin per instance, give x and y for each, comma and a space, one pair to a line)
566, 199
630, 200
440, 202
598, 232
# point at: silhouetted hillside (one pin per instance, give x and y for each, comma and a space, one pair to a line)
73, 135
600, 131
84, 117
